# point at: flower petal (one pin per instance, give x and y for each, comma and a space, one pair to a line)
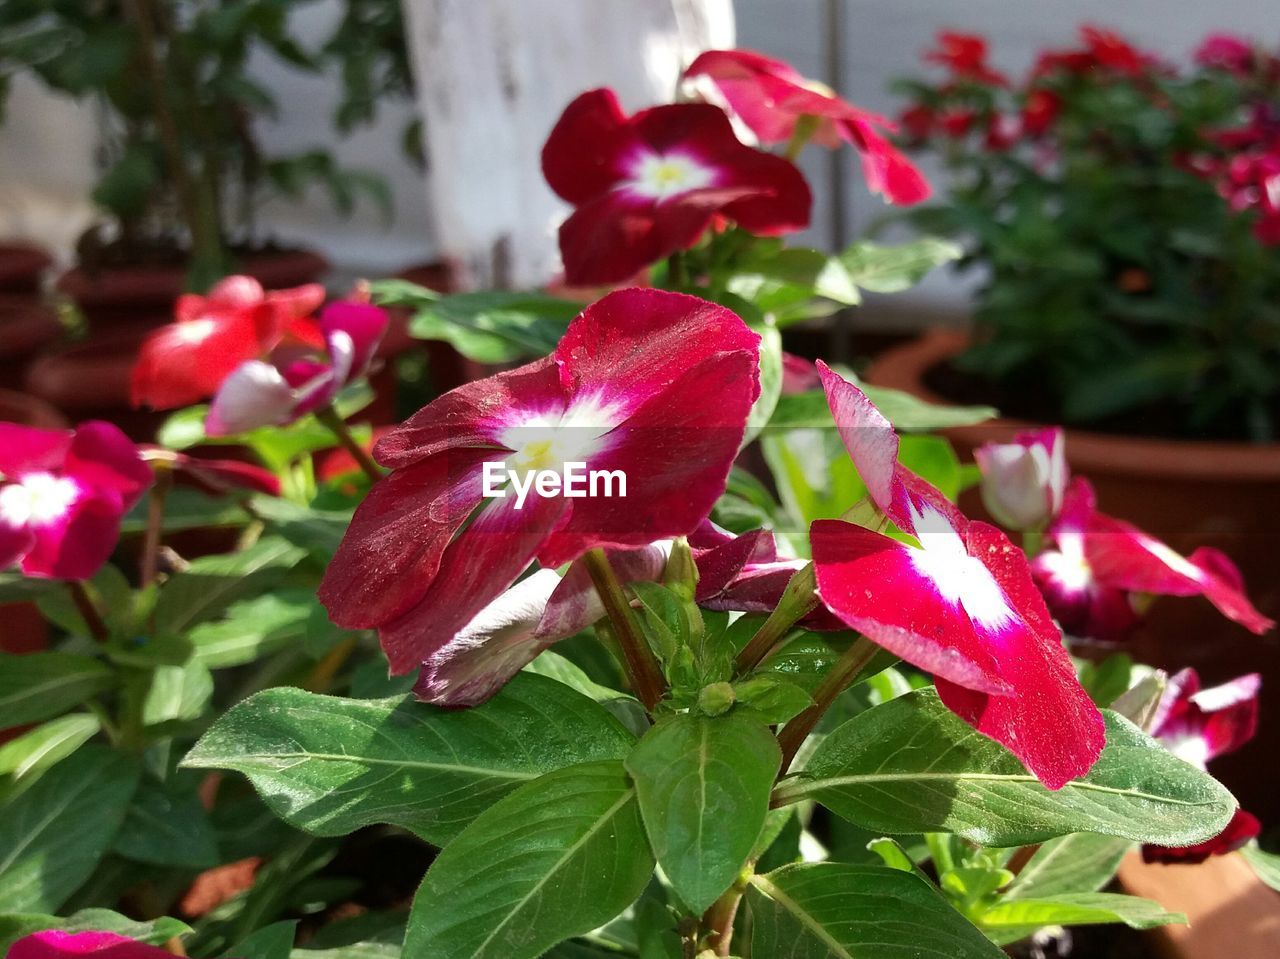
102, 457
80, 543
582, 157
26, 449
1243, 827
393, 547
256, 394
58, 944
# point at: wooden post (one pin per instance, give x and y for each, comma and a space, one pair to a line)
492, 77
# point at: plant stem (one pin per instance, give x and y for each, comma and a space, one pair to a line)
677, 275
155, 523
88, 610
1032, 542
806, 126
794, 733
798, 599
330, 418
637, 658
718, 920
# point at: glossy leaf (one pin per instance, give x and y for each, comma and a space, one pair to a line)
40, 686
1083, 862
703, 786
253, 628
53, 834
1266, 865
47, 744
838, 911
910, 765
330, 766
557, 858
1012, 919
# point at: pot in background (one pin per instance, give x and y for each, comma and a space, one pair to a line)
27, 326
1188, 493
22, 267
145, 293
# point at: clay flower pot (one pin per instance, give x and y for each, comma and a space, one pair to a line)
26, 327
1188, 493
21, 267
145, 293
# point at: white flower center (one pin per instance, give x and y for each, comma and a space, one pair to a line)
546, 440
960, 578
194, 331
661, 177
1188, 747
1067, 565
37, 499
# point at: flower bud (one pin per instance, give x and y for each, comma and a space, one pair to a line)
1023, 481
716, 699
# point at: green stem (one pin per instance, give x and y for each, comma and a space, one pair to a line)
794, 733
637, 658
330, 418
1032, 542
798, 600
88, 610
718, 920
155, 525
677, 274
806, 126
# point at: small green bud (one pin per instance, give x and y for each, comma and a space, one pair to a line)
681, 573
716, 699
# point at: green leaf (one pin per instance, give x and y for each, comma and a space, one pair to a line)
110, 593
891, 269
38, 686
1083, 862
703, 785
176, 693
271, 942
155, 932
358, 950
47, 744
838, 911
1011, 919
53, 834
491, 326
167, 825
558, 857
770, 382
253, 628
1266, 865
896, 857
210, 583
16, 588
911, 765
330, 766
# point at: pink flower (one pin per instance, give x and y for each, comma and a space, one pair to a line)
965, 55
56, 944
1226, 52
216, 476
185, 362
799, 375
1198, 725
62, 494
770, 97
654, 385
1023, 482
1098, 562
1039, 111
298, 381
649, 185
958, 601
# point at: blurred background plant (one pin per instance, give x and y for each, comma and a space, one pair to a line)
182, 171
1123, 210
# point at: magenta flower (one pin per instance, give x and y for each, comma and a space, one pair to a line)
651, 386
649, 185
958, 601
298, 381
62, 494
1023, 482
56, 944
770, 97
1198, 725
1096, 563
1226, 52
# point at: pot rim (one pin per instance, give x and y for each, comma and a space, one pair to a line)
904, 368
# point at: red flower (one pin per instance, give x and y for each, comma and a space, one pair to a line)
62, 494
1039, 111
918, 121
216, 476
1103, 50
958, 601
651, 184
298, 381
957, 121
56, 944
1098, 562
1197, 725
186, 361
770, 97
1226, 52
965, 55
653, 384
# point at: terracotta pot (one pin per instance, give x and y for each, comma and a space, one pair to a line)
21, 267
26, 327
1231, 913
90, 380
146, 293
1189, 493
22, 628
